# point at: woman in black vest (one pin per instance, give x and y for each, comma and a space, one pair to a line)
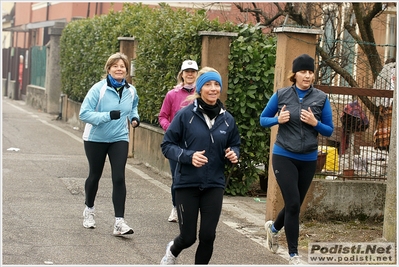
303, 113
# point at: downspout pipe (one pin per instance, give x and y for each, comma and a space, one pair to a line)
48, 11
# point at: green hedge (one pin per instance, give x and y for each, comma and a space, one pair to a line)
251, 79
166, 37
170, 38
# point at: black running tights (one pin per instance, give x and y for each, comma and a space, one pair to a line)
117, 154
294, 178
190, 203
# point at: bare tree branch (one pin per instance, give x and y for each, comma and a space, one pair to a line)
336, 67
367, 44
349, 78
260, 16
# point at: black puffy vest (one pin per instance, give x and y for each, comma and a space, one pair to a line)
295, 135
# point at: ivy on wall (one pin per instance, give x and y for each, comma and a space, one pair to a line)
166, 37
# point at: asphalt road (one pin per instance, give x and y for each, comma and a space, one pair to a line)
43, 172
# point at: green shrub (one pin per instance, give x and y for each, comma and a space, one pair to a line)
251, 79
167, 42
85, 47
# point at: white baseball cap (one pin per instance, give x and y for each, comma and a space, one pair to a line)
189, 64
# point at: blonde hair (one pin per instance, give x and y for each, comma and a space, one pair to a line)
113, 59
179, 77
200, 72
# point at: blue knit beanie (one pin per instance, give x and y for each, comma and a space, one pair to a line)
206, 77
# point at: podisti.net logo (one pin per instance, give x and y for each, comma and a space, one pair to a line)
351, 253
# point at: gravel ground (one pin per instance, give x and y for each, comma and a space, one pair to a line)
335, 231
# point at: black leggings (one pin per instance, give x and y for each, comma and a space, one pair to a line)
294, 178
190, 202
117, 154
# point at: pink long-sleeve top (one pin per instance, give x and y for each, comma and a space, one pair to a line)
174, 100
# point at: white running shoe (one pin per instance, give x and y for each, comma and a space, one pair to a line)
88, 218
168, 259
295, 260
173, 215
121, 228
271, 237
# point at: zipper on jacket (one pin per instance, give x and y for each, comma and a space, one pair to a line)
302, 123
299, 111
120, 94
178, 157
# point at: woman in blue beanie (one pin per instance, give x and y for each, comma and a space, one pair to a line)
303, 112
202, 137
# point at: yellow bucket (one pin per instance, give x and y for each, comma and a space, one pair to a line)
332, 160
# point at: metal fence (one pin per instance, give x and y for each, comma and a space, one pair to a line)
15, 68
359, 146
38, 66
361, 99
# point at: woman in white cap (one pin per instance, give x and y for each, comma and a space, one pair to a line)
303, 112
201, 138
174, 100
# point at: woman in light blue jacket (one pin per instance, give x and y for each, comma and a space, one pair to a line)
108, 108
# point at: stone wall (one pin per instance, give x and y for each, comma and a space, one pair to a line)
344, 200
36, 97
70, 113
147, 147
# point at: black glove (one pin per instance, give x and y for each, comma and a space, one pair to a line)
137, 120
115, 114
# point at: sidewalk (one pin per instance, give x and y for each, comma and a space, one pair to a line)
43, 174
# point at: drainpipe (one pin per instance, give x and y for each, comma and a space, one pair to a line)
48, 10
62, 97
88, 10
